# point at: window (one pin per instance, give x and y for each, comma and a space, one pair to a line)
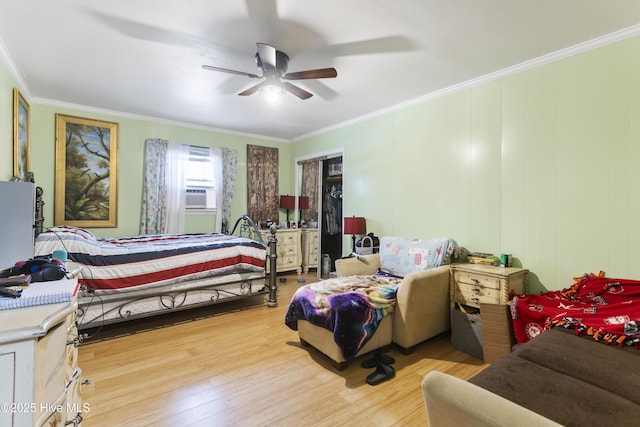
201, 182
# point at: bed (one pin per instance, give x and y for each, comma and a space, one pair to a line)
601, 308
575, 364
139, 276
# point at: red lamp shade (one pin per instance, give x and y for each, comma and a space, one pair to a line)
355, 225
287, 202
303, 202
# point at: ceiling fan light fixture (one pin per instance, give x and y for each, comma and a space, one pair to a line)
272, 94
273, 63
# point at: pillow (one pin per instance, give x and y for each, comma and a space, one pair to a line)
400, 256
74, 233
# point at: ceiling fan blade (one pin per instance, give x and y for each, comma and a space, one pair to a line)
321, 73
371, 46
267, 55
252, 89
225, 70
295, 90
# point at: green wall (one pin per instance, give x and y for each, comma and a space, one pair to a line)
132, 134
539, 164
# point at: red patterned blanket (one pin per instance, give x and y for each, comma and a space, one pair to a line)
605, 309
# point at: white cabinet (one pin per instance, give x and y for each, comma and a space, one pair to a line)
288, 249
309, 249
39, 365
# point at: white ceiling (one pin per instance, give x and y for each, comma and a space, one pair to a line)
144, 57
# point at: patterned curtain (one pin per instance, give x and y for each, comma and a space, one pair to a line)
262, 183
310, 188
154, 198
229, 171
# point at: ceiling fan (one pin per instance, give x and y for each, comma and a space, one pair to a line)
273, 65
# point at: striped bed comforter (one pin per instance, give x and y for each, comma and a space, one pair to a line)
144, 261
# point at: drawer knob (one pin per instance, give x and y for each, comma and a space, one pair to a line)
476, 281
477, 290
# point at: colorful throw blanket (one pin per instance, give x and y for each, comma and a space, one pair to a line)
608, 310
350, 307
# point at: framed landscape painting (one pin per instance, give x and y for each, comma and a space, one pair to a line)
21, 136
86, 172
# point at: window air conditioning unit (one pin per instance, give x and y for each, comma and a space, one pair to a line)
201, 199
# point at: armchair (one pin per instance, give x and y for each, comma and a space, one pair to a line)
422, 308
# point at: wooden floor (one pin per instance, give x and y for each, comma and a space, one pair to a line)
246, 368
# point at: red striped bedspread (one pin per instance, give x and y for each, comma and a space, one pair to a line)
140, 262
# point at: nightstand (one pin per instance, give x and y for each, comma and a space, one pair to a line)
473, 284
479, 313
309, 249
288, 249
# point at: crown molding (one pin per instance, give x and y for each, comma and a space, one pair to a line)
14, 71
608, 39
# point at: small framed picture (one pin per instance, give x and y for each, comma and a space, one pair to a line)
21, 137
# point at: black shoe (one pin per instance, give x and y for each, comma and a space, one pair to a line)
381, 374
376, 359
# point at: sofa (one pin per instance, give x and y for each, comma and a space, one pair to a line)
556, 378
422, 306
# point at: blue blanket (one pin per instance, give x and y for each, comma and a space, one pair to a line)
350, 307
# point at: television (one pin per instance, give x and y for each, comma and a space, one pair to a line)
17, 222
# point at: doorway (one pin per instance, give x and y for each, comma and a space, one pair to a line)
320, 178
331, 230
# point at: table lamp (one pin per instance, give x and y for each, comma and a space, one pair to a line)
354, 225
303, 203
287, 202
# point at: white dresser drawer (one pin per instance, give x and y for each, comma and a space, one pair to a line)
474, 284
50, 369
474, 294
287, 239
476, 279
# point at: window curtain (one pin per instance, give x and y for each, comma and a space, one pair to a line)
311, 185
164, 184
262, 183
176, 184
229, 172
164, 195
216, 159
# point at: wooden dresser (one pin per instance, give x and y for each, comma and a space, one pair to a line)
309, 249
480, 317
473, 284
288, 249
39, 365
